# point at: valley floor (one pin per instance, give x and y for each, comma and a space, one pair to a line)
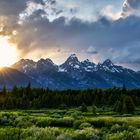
69, 124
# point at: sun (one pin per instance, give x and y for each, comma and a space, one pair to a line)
8, 52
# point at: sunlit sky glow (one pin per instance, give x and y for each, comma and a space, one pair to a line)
8, 52
92, 29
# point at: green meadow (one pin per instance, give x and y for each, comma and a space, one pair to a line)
69, 124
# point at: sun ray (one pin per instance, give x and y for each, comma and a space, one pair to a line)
8, 52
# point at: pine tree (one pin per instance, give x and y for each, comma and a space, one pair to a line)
94, 108
118, 106
4, 90
129, 104
84, 107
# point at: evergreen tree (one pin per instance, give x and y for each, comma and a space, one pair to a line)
118, 106
128, 102
124, 109
94, 108
14, 91
4, 91
84, 107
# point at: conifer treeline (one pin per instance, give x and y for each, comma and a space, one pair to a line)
27, 98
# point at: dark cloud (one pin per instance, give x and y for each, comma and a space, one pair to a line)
131, 7
135, 4
121, 36
9, 14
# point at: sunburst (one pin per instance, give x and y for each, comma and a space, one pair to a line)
8, 52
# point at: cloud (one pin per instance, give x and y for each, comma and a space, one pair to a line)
57, 28
48, 9
92, 50
111, 38
9, 14
108, 11
131, 7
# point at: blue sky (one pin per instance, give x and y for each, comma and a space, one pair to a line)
93, 29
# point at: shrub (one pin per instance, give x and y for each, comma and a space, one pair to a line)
64, 137
97, 123
66, 121
94, 108
116, 128
9, 133
86, 134
43, 122
83, 107
125, 135
56, 115
84, 125
77, 123
35, 133
24, 124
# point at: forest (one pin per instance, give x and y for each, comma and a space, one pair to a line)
123, 100
28, 113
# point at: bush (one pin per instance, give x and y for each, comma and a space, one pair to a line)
43, 122
24, 124
64, 122
34, 133
125, 135
9, 133
83, 108
97, 123
94, 108
77, 123
64, 137
84, 125
86, 134
56, 115
117, 128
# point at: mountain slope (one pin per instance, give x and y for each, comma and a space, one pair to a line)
10, 77
75, 74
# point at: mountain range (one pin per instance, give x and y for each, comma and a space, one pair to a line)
72, 74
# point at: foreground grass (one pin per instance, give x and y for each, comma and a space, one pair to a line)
68, 124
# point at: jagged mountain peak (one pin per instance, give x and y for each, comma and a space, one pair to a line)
76, 74
88, 62
24, 64
45, 61
72, 61
107, 62
25, 61
72, 57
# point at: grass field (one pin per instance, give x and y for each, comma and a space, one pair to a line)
68, 124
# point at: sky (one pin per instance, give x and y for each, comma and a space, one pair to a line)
93, 29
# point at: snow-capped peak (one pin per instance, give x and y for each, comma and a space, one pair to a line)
72, 59
86, 61
72, 56
108, 62
45, 61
